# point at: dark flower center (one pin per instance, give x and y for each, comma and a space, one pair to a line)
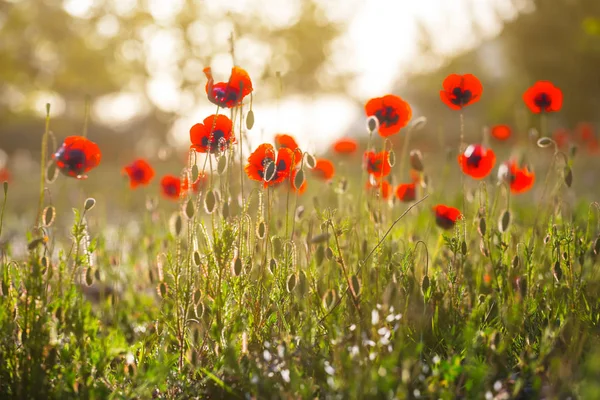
543, 101
444, 222
461, 97
474, 160
74, 160
265, 162
226, 95
387, 115
281, 165
171, 189
137, 174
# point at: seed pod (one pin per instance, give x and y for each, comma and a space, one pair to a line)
90, 202
463, 248
597, 245
225, 210
329, 298
302, 287
557, 271
299, 179
189, 209
250, 119
51, 172
392, 158
237, 267
195, 173
222, 164
545, 142
270, 171
196, 258
261, 230
311, 161
299, 213
425, 284
273, 266
48, 216
547, 239
162, 289
176, 224
329, 253
418, 124
504, 221
372, 124
197, 296
515, 262
89, 276
210, 202
416, 160
483, 249
522, 285
568, 176
291, 282
482, 228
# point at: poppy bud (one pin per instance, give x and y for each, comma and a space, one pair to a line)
416, 160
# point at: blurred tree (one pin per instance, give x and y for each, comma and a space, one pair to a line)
154, 51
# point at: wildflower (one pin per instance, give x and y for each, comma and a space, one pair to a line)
288, 141
391, 111
477, 161
383, 187
139, 172
446, 217
345, 146
461, 91
377, 164
171, 187
262, 157
302, 187
519, 179
543, 96
324, 169
406, 192
76, 156
215, 134
501, 132
228, 94
5, 175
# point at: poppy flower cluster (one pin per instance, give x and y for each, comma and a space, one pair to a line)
377, 164
391, 112
477, 161
270, 167
214, 135
345, 146
406, 192
461, 91
446, 216
519, 180
231, 93
139, 172
77, 156
542, 97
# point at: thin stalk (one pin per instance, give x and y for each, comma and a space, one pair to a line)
43, 165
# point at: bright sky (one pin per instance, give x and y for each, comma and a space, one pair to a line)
380, 44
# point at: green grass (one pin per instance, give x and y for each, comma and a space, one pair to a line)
270, 295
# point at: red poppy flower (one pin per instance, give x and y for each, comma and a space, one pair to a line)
324, 169
562, 137
198, 185
501, 132
265, 155
519, 179
477, 161
5, 175
76, 156
406, 192
288, 142
215, 134
228, 94
391, 111
446, 217
345, 146
378, 164
543, 97
385, 191
585, 132
139, 172
461, 91
171, 187
302, 187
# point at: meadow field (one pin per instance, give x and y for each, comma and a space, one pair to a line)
374, 269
